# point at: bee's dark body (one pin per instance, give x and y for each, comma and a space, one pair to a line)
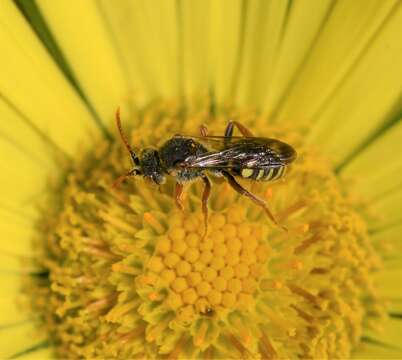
190, 158
258, 159
174, 152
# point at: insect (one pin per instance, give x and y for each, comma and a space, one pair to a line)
189, 158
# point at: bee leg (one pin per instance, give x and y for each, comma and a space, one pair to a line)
177, 193
203, 130
229, 129
236, 186
205, 196
120, 179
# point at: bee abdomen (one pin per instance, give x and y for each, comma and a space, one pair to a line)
264, 174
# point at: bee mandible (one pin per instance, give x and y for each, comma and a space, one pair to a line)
188, 158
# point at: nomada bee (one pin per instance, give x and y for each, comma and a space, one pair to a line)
188, 158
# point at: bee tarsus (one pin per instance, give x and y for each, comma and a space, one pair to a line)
178, 192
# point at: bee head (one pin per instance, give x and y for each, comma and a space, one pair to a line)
150, 166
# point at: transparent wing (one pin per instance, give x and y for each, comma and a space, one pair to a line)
222, 142
242, 149
239, 156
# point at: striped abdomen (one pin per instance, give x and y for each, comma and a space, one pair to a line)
264, 174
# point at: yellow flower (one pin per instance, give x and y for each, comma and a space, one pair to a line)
124, 273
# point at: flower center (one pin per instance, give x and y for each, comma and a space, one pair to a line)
130, 275
213, 273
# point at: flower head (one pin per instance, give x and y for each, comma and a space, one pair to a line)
125, 274
132, 275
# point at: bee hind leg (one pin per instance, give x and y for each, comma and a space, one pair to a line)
230, 127
205, 196
236, 186
203, 130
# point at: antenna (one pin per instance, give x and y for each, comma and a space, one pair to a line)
134, 157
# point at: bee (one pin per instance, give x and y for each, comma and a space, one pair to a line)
189, 158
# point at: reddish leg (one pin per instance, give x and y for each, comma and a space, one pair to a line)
229, 129
120, 179
177, 193
203, 130
236, 186
205, 196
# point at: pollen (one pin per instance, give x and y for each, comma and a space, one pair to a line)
214, 297
206, 257
203, 288
217, 221
219, 283
155, 264
164, 246
192, 255
209, 274
179, 247
179, 284
219, 250
177, 234
190, 296
193, 240
227, 272
171, 260
132, 276
194, 278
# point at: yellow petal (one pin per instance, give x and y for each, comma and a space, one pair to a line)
344, 35
32, 82
389, 240
18, 332
10, 313
17, 130
388, 281
19, 339
9, 261
386, 210
82, 35
22, 180
352, 76
17, 235
38, 353
147, 38
377, 170
375, 351
267, 19
225, 24
394, 306
194, 25
391, 334
297, 32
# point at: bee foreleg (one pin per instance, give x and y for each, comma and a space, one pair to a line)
229, 129
236, 186
120, 179
178, 192
205, 196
